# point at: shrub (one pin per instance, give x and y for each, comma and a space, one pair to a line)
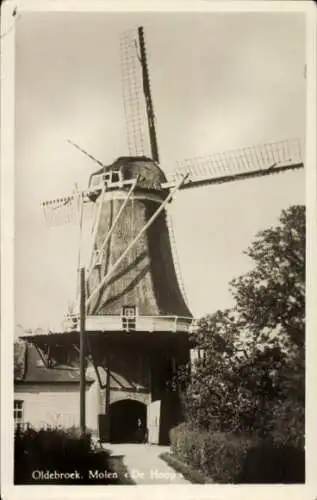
237, 458
288, 424
54, 449
219, 456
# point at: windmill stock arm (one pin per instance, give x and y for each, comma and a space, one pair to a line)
235, 177
86, 153
246, 163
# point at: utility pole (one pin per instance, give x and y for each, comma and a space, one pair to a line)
82, 353
148, 97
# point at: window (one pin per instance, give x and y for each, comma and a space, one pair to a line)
128, 318
99, 257
18, 411
106, 177
115, 177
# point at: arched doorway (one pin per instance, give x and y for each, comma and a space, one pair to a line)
124, 416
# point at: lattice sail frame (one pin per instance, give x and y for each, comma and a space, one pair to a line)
133, 97
61, 210
175, 254
228, 166
66, 210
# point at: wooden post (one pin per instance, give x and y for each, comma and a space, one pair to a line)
82, 353
107, 402
80, 228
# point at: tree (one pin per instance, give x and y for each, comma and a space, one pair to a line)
250, 374
272, 295
213, 381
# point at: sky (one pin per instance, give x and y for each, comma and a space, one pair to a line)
220, 81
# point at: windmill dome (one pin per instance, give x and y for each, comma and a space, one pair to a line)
150, 175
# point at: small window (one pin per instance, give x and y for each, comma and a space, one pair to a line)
18, 412
128, 311
106, 177
115, 177
128, 318
99, 256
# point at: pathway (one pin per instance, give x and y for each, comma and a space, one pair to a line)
144, 465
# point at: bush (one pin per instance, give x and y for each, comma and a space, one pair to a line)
54, 449
219, 456
237, 458
288, 424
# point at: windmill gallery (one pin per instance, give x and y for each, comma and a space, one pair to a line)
110, 368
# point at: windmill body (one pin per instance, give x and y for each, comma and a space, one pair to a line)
146, 278
137, 319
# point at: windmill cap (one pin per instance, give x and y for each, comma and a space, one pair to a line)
150, 175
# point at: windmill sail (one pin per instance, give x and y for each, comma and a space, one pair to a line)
256, 161
66, 210
60, 210
133, 98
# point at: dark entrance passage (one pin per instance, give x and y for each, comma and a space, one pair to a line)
127, 421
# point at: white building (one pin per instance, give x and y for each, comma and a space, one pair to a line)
49, 397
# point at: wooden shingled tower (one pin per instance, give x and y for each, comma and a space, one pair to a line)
140, 273
137, 318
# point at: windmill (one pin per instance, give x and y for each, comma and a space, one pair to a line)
131, 282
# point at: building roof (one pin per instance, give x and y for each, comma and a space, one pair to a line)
30, 368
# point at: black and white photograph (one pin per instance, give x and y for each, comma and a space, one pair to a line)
160, 218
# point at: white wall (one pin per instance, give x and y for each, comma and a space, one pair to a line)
142, 397
57, 404
92, 406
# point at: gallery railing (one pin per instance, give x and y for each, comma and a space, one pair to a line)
138, 323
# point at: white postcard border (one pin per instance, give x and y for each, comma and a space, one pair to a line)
9, 491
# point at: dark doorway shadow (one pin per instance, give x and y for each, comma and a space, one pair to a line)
127, 421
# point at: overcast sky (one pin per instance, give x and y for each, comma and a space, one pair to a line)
219, 81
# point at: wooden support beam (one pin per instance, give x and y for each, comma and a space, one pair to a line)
107, 394
96, 227
49, 359
82, 354
80, 224
42, 356
124, 204
127, 250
